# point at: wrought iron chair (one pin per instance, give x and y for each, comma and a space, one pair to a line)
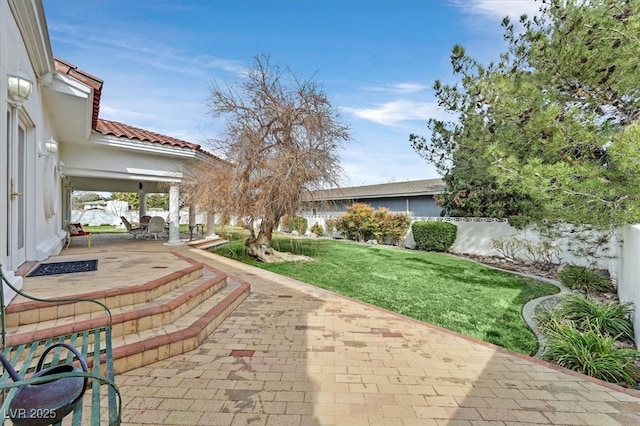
134, 231
94, 345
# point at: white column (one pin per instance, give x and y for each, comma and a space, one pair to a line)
174, 217
142, 210
211, 226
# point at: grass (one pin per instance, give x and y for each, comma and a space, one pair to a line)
104, 229
437, 288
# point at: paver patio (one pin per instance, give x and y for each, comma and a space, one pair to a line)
293, 354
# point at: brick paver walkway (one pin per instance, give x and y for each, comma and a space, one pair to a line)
293, 354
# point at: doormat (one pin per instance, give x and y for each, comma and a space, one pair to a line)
64, 268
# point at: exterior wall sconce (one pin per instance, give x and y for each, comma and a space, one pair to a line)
19, 88
48, 147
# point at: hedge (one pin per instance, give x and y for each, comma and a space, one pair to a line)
434, 236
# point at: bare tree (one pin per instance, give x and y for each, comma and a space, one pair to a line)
282, 137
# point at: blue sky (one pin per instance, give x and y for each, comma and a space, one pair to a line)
376, 59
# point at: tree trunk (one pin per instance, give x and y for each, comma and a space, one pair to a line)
260, 247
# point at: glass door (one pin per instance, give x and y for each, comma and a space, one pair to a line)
16, 179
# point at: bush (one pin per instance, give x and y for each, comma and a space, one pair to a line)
585, 279
434, 236
358, 223
317, 229
330, 225
611, 319
294, 223
390, 226
592, 354
397, 228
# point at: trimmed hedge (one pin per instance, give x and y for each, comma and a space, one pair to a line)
434, 236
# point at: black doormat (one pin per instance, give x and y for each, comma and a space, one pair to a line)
64, 268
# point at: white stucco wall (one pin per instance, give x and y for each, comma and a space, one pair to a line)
474, 237
43, 231
629, 278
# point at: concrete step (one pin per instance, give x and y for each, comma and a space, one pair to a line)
208, 243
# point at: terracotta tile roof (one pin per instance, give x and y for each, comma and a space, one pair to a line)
120, 130
384, 190
67, 68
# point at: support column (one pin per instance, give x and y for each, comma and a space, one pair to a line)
142, 209
211, 226
174, 217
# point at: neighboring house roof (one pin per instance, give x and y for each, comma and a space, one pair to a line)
64, 67
384, 190
120, 130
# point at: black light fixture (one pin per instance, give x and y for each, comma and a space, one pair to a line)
140, 186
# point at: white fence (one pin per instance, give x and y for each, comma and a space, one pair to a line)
622, 259
629, 272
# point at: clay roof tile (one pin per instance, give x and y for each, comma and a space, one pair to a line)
120, 130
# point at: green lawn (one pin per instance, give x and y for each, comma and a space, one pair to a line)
104, 229
441, 289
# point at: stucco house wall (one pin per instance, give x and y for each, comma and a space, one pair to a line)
91, 152
41, 193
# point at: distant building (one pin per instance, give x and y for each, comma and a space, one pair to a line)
92, 205
416, 198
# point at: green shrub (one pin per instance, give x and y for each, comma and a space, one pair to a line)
591, 353
434, 236
585, 279
358, 223
611, 319
397, 228
294, 223
390, 226
317, 229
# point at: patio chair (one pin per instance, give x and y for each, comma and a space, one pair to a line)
76, 230
156, 227
134, 231
144, 222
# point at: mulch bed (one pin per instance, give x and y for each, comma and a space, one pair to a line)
530, 268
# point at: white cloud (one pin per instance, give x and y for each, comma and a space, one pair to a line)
396, 112
229, 65
500, 8
407, 87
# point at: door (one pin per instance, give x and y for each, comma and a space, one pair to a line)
16, 179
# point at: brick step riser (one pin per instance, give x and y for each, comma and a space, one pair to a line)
34, 312
158, 316
137, 320
143, 353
